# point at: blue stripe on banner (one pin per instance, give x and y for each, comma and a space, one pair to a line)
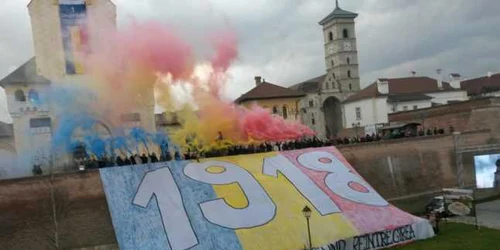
133, 224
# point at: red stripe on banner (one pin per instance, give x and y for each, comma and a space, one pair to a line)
366, 218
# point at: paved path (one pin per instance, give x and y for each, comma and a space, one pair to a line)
488, 215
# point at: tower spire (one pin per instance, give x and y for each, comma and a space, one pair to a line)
336, 3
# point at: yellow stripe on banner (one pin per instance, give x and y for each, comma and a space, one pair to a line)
288, 230
76, 42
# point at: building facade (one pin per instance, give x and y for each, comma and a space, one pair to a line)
372, 105
278, 100
59, 39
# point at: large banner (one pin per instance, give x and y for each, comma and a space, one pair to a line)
73, 15
254, 202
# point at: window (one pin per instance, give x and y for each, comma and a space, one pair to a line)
415, 107
349, 73
285, 112
330, 36
313, 122
275, 110
345, 33
358, 113
348, 60
405, 108
333, 63
33, 97
350, 86
311, 103
19, 95
333, 75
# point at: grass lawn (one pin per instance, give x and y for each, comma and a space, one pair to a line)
454, 236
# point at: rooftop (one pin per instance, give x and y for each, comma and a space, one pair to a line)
309, 86
403, 88
338, 13
481, 85
266, 90
25, 74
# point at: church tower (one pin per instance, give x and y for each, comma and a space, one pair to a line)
341, 55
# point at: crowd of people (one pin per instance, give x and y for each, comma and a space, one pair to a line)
191, 153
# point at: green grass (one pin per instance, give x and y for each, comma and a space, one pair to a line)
454, 236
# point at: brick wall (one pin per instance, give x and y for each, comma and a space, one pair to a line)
418, 164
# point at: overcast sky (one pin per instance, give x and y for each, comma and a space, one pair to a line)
282, 41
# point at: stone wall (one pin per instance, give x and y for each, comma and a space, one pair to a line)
81, 212
395, 168
464, 116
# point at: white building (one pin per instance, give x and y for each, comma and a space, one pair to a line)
371, 105
56, 37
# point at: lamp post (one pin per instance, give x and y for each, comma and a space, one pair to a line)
307, 213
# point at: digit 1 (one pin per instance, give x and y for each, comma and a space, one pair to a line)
260, 209
321, 201
160, 184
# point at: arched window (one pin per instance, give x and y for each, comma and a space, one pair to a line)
33, 97
345, 33
333, 63
19, 95
350, 86
311, 103
348, 60
349, 73
330, 36
275, 110
285, 112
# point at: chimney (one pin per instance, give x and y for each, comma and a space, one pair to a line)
439, 80
383, 86
455, 80
258, 80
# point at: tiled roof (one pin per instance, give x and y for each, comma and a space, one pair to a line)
6, 130
416, 85
407, 97
309, 86
399, 86
338, 13
25, 74
369, 92
480, 85
266, 90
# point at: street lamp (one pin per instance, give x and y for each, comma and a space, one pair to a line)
307, 213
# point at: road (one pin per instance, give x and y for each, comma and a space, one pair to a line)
489, 214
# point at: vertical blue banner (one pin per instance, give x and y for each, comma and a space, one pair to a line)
73, 16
